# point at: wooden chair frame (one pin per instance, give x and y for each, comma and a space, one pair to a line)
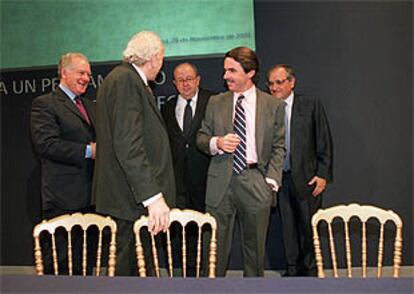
69, 221
183, 217
364, 213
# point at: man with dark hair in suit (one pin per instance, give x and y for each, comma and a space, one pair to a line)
63, 135
307, 168
134, 171
183, 116
243, 130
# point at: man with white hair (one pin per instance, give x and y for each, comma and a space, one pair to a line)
63, 136
134, 172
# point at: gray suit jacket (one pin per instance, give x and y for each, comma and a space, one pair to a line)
133, 158
270, 141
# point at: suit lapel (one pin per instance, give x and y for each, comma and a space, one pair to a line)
68, 103
227, 109
200, 109
173, 118
294, 119
260, 122
202, 100
90, 110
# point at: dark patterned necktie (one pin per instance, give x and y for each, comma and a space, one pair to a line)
239, 156
188, 117
79, 105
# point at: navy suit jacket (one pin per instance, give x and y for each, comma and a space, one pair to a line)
190, 164
311, 148
60, 134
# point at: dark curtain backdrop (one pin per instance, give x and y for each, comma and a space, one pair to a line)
355, 56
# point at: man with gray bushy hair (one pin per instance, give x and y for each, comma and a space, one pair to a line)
134, 172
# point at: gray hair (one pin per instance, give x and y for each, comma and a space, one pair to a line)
142, 47
290, 72
66, 60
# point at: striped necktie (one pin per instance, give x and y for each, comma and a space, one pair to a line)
239, 156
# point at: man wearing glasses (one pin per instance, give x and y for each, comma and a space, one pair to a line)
306, 171
183, 116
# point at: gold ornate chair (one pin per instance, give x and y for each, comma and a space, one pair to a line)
68, 222
183, 217
361, 213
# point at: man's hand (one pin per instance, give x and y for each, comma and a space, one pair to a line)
320, 185
228, 143
93, 149
158, 216
272, 184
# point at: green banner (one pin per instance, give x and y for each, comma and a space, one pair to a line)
38, 32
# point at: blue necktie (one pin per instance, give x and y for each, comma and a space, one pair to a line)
239, 156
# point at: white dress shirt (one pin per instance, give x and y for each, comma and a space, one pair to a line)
180, 108
249, 104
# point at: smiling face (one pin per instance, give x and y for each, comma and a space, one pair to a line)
237, 80
280, 84
186, 80
76, 75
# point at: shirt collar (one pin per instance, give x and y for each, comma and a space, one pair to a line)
289, 99
247, 94
68, 92
141, 74
182, 100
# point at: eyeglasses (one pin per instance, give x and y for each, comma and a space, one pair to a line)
188, 80
277, 82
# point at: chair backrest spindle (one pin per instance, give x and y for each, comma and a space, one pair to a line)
68, 222
182, 217
363, 214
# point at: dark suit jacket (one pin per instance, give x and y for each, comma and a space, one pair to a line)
60, 134
190, 164
133, 160
311, 148
270, 141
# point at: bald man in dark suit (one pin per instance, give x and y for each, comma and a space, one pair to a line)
190, 164
183, 115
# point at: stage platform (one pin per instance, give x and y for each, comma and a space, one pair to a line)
78, 284
22, 279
